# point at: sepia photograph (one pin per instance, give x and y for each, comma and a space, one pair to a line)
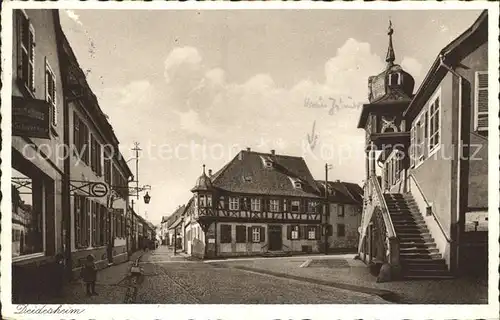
210, 155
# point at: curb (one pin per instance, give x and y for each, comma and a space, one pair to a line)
384, 294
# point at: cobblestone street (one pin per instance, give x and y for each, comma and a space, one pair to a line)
169, 279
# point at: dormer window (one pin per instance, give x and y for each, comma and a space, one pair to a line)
297, 184
268, 163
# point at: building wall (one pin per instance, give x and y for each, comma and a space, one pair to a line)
45, 50
351, 220
473, 245
477, 195
29, 271
434, 174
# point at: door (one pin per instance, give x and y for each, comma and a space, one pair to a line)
275, 237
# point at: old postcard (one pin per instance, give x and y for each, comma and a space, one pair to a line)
250, 160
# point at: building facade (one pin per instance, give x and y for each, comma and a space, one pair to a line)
426, 215
37, 169
98, 223
257, 204
345, 201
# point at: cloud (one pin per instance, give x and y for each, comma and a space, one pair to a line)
413, 67
182, 63
73, 16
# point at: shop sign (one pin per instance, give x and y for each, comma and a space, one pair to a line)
99, 189
30, 118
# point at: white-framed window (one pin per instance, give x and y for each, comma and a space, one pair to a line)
312, 206
28, 214
295, 232
311, 233
255, 204
221, 202
434, 124
50, 91
411, 150
274, 205
298, 185
419, 132
209, 200
234, 203
25, 51
295, 206
255, 234
481, 101
202, 200
341, 210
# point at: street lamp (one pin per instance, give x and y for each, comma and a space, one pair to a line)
147, 198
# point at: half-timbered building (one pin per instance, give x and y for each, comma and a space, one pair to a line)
258, 203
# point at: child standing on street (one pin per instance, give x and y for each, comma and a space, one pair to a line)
89, 275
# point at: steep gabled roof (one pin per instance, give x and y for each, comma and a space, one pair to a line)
176, 215
247, 173
342, 192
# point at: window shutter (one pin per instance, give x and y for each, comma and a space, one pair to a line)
92, 205
262, 234
249, 232
76, 131
76, 211
87, 222
318, 232
19, 27
32, 38
289, 232
303, 233
481, 101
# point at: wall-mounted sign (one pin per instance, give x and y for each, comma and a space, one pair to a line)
88, 188
30, 118
99, 189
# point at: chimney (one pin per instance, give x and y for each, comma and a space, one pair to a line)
249, 149
338, 181
273, 152
210, 173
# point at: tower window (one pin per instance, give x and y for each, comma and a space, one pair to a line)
394, 79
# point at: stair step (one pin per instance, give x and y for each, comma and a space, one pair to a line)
420, 255
410, 229
409, 220
426, 273
417, 245
418, 250
428, 277
408, 237
425, 266
410, 260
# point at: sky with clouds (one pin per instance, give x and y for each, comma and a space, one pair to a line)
195, 87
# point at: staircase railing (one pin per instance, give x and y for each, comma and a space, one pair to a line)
384, 223
374, 199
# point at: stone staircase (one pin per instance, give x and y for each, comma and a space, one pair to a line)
279, 253
419, 257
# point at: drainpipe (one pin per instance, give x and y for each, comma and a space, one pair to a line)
456, 243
